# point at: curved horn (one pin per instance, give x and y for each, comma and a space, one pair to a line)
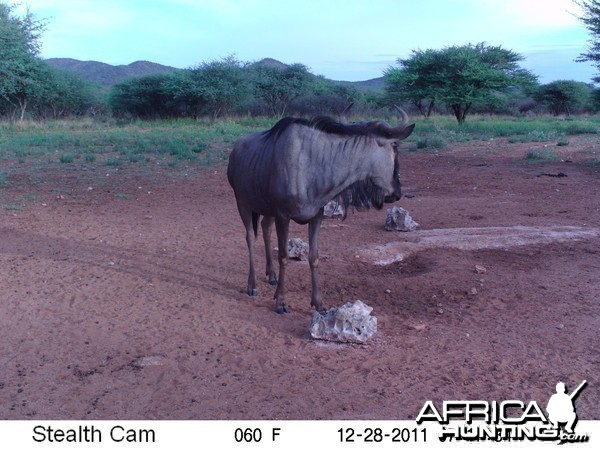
343, 118
399, 130
403, 115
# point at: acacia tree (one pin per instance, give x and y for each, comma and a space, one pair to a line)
457, 76
19, 65
591, 19
564, 96
279, 86
65, 94
144, 97
414, 80
214, 87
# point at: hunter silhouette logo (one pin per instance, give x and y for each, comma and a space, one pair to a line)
561, 408
509, 420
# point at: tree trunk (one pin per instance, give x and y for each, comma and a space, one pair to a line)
430, 109
419, 105
459, 112
23, 107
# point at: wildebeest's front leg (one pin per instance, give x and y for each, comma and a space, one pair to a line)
314, 226
282, 226
266, 225
246, 216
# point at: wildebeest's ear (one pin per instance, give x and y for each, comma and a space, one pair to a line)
406, 132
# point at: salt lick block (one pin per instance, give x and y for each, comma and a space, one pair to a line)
351, 322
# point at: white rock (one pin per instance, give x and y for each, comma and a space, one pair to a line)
146, 361
348, 323
398, 219
480, 269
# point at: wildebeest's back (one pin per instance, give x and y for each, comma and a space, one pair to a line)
281, 172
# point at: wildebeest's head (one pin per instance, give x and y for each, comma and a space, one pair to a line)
383, 186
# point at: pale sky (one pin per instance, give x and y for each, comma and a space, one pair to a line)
349, 40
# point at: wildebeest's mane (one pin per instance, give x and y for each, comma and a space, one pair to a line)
327, 125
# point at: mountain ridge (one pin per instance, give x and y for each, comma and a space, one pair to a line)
107, 75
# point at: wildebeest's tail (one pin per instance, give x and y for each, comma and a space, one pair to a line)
255, 217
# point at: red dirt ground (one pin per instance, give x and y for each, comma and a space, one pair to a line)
122, 296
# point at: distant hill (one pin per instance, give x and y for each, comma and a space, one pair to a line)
270, 62
374, 84
107, 75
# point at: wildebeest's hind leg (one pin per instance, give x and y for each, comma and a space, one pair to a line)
314, 226
266, 225
282, 226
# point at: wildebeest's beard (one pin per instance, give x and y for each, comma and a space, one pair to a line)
362, 194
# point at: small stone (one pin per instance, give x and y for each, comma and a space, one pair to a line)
297, 249
440, 311
560, 326
146, 361
419, 327
387, 291
480, 269
398, 219
473, 291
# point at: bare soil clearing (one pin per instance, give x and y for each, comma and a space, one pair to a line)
122, 296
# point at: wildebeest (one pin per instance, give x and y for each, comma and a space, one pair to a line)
292, 170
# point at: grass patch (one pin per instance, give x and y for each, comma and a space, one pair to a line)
516, 129
203, 143
4, 179
113, 162
65, 159
129, 143
593, 162
429, 142
537, 156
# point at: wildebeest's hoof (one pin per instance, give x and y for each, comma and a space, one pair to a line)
252, 292
320, 307
282, 309
273, 282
